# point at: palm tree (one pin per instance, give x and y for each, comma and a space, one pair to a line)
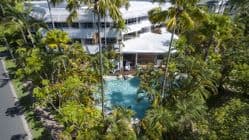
54, 2
238, 4
20, 19
118, 125
221, 7
2, 31
178, 19
50, 13
186, 105
15, 20
100, 7
57, 40
157, 122
9, 13
3, 36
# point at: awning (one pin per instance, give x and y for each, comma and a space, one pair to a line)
148, 43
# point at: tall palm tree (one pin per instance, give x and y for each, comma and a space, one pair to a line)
3, 36
8, 14
25, 23
178, 18
100, 8
54, 2
16, 19
221, 7
118, 125
2, 31
237, 4
50, 13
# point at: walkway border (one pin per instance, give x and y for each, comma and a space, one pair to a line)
13, 92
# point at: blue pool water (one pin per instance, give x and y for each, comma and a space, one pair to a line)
124, 93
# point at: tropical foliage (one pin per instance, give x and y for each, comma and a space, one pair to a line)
205, 79
199, 92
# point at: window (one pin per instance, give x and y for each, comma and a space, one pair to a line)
64, 25
109, 40
131, 21
86, 25
113, 25
88, 41
129, 36
74, 25
103, 25
143, 18
50, 25
76, 40
57, 25
160, 57
60, 25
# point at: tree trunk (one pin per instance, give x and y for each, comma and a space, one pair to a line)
231, 8
31, 37
221, 10
101, 65
167, 62
3, 12
8, 47
5, 39
120, 56
105, 32
224, 71
24, 37
50, 13
206, 54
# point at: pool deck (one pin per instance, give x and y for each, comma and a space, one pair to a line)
116, 77
133, 70
124, 72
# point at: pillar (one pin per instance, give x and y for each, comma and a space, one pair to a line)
136, 55
155, 60
121, 62
120, 40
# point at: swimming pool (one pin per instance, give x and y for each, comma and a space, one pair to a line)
124, 93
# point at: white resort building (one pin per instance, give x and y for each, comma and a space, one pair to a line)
215, 6
139, 43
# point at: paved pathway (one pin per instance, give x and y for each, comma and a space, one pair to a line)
12, 123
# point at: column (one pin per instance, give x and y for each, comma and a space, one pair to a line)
83, 44
121, 62
136, 55
120, 40
155, 60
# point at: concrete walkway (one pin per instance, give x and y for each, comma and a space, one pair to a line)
12, 123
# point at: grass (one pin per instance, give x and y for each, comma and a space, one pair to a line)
2, 49
37, 130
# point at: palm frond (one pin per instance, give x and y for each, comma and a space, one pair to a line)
157, 15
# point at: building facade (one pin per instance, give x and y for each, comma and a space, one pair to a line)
215, 6
139, 43
138, 38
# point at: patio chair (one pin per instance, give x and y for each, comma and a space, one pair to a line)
127, 66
